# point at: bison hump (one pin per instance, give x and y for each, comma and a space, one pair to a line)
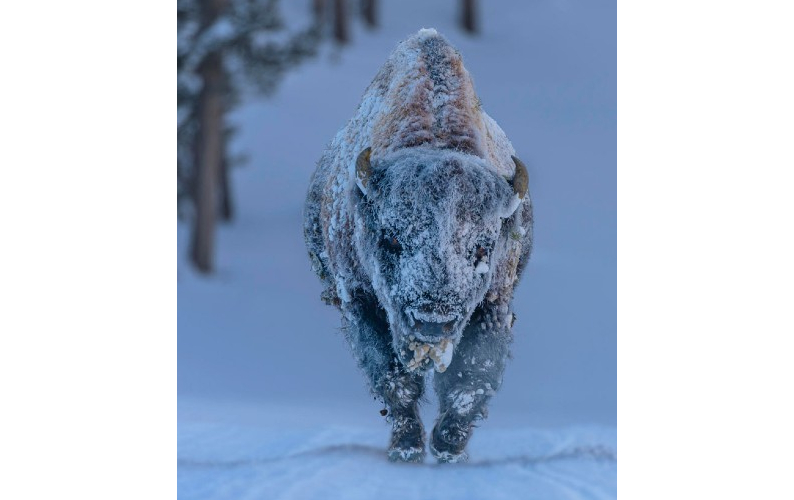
427, 98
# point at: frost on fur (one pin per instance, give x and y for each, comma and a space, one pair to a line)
419, 223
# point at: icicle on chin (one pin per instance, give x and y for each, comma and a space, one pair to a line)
440, 354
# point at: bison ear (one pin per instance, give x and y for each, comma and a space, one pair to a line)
363, 170
520, 181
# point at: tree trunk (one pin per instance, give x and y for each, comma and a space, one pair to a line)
369, 12
341, 33
210, 148
226, 205
318, 9
469, 16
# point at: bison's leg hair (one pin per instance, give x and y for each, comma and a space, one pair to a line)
474, 375
367, 331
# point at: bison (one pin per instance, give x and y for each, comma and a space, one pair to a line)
418, 222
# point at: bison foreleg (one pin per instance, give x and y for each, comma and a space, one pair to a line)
367, 331
474, 375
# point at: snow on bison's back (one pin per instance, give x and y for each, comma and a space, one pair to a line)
419, 223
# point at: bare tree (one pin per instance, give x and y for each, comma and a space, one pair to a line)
469, 17
341, 29
369, 13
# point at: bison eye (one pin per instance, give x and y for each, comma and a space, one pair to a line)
392, 244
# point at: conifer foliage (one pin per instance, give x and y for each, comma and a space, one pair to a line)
225, 48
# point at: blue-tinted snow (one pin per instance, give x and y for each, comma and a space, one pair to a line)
263, 372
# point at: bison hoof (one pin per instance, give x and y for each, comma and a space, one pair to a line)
407, 440
449, 442
446, 457
410, 455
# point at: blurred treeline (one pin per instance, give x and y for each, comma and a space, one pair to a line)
227, 49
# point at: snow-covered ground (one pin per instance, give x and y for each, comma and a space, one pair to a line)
289, 452
270, 402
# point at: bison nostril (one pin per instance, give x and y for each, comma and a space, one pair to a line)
428, 331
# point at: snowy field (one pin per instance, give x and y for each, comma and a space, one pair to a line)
270, 402
287, 452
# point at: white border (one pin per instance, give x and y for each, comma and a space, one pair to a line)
705, 249
88, 324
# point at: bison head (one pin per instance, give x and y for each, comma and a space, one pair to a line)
429, 237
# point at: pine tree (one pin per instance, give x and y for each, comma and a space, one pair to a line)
224, 48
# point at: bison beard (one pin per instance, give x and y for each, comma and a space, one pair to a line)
419, 223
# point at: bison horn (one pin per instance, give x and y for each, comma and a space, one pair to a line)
363, 169
520, 180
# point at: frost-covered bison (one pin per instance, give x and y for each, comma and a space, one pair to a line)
419, 223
